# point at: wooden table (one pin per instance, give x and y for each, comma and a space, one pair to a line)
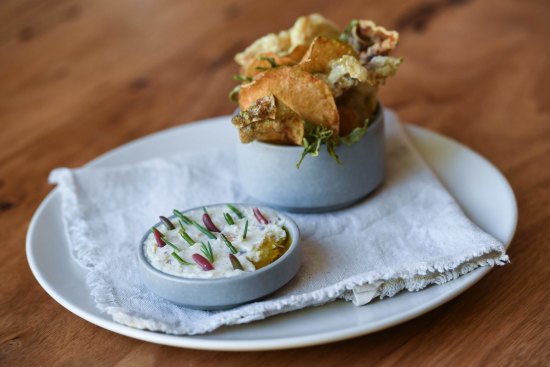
78, 78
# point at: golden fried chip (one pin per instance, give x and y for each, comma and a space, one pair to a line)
321, 52
302, 92
264, 61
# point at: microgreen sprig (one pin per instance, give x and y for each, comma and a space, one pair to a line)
180, 260
236, 211
242, 78
314, 137
207, 251
229, 244
270, 60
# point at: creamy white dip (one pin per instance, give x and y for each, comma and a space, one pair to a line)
260, 240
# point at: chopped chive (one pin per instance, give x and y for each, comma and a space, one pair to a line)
204, 210
185, 220
228, 219
207, 251
180, 260
169, 243
204, 230
245, 229
236, 211
229, 244
167, 222
186, 237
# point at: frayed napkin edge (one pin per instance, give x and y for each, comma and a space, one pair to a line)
387, 285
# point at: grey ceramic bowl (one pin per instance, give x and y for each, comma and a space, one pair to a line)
220, 293
268, 172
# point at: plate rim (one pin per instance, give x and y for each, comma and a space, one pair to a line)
278, 343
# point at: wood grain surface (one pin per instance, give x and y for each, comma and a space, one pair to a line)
78, 78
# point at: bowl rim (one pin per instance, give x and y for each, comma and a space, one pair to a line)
290, 224
378, 118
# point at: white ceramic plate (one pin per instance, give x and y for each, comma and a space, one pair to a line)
479, 187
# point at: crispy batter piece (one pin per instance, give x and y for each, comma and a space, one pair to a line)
380, 68
370, 40
304, 30
345, 73
269, 120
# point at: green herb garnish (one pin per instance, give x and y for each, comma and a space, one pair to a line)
317, 135
234, 94
207, 251
168, 242
203, 230
355, 135
228, 219
183, 218
314, 136
245, 229
236, 211
270, 60
229, 244
180, 260
242, 78
186, 237
346, 34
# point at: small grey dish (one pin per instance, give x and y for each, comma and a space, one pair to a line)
222, 293
268, 172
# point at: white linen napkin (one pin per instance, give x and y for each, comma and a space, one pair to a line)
411, 233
